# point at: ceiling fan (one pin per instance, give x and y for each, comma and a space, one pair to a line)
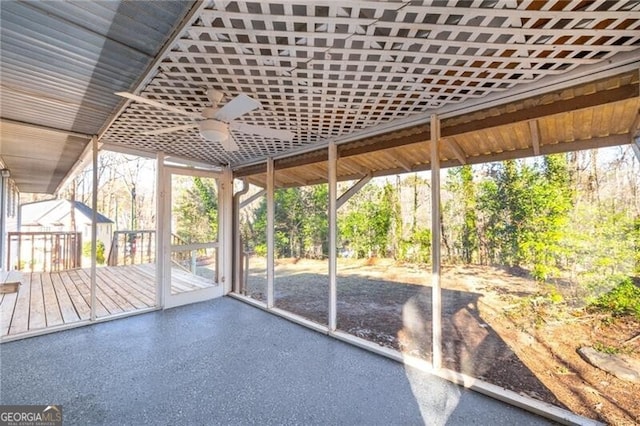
215, 123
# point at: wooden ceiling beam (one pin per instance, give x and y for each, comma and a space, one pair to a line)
420, 134
535, 137
358, 148
250, 170
353, 190
542, 110
252, 198
302, 159
557, 148
457, 150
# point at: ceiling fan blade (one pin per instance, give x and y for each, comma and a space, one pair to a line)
229, 144
157, 104
240, 105
170, 129
267, 132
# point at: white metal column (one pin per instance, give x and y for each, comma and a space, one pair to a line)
333, 252
94, 228
436, 299
225, 230
161, 246
270, 232
4, 186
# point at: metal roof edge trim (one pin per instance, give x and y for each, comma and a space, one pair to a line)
77, 167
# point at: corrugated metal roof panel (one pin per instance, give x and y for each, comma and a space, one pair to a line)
61, 64
38, 159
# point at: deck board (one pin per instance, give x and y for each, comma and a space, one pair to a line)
122, 288
51, 304
47, 299
144, 291
20, 318
85, 292
8, 300
65, 300
6, 312
37, 318
111, 306
80, 305
114, 293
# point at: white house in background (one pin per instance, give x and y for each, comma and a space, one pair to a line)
55, 216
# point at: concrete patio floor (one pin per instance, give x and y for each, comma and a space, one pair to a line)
225, 362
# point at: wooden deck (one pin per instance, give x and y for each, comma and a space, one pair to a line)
48, 299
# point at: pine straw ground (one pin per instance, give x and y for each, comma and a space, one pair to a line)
496, 326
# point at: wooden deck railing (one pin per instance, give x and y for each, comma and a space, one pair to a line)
44, 251
138, 247
132, 247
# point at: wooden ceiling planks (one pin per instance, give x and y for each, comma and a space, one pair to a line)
603, 125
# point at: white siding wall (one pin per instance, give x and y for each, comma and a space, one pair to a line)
9, 201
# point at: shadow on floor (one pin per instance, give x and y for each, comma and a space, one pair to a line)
398, 316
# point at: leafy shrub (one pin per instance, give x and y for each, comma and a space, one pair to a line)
623, 299
86, 251
260, 250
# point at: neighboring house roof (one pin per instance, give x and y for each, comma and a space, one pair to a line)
88, 211
52, 212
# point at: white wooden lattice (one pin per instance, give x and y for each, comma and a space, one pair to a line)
327, 68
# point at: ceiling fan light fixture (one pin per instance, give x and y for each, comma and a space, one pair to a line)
213, 130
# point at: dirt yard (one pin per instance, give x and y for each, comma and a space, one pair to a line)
495, 327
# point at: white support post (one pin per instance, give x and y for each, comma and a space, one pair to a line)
333, 224
436, 299
270, 233
239, 276
225, 230
161, 246
4, 186
94, 228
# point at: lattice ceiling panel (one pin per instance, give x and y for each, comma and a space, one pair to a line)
328, 68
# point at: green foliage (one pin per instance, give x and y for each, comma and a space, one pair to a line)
533, 214
597, 246
208, 197
315, 227
635, 241
623, 299
289, 216
421, 240
464, 217
601, 347
365, 227
260, 250
86, 251
525, 208
301, 223
196, 210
